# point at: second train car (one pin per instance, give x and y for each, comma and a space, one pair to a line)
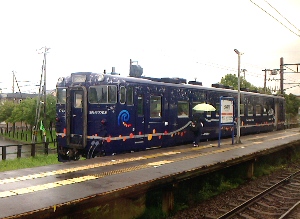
104, 113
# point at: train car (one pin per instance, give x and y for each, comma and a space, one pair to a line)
105, 113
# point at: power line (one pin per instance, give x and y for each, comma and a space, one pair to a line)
282, 15
275, 19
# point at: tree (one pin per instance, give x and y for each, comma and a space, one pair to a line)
292, 104
51, 110
26, 111
232, 80
6, 110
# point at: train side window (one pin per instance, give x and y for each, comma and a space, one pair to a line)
183, 109
194, 104
155, 106
102, 94
242, 109
271, 111
92, 95
265, 112
122, 94
140, 105
258, 110
217, 109
208, 113
250, 110
112, 94
129, 95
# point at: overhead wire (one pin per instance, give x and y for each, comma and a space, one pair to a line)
282, 15
276, 19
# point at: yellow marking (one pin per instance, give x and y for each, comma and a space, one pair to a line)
39, 188
282, 137
100, 175
23, 191
158, 163
6, 194
52, 185
7, 180
66, 182
102, 164
256, 137
171, 153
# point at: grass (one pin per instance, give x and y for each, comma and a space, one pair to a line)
28, 162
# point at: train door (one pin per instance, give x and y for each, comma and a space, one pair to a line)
154, 121
76, 114
140, 122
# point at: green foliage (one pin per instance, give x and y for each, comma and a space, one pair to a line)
51, 110
292, 104
232, 80
6, 110
26, 111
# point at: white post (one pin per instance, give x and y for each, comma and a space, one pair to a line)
238, 128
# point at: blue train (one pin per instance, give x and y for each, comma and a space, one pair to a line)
104, 114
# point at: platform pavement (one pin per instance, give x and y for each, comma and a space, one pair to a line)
50, 190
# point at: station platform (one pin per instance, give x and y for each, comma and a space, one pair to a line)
50, 191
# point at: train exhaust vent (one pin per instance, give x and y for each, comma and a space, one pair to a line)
218, 85
174, 80
244, 89
195, 83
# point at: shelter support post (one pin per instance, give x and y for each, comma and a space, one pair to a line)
250, 172
168, 199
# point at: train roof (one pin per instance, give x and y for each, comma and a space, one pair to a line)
168, 82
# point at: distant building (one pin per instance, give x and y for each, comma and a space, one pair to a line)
18, 97
15, 97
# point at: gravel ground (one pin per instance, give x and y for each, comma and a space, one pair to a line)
208, 209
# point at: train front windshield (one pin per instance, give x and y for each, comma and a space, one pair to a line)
61, 95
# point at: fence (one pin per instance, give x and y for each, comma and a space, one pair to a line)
26, 149
23, 135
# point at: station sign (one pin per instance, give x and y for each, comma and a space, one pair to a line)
226, 111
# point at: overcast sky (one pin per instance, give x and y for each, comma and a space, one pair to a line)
169, 38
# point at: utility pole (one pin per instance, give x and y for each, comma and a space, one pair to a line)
13, 82
265, 80
44, 88
296, 84
244, 70
43, 50
238, 128
281, 75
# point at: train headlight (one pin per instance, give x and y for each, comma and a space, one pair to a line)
60, 80
100, 77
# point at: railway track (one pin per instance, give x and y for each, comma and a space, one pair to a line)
280, 200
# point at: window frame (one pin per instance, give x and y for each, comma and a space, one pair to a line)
155, 111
